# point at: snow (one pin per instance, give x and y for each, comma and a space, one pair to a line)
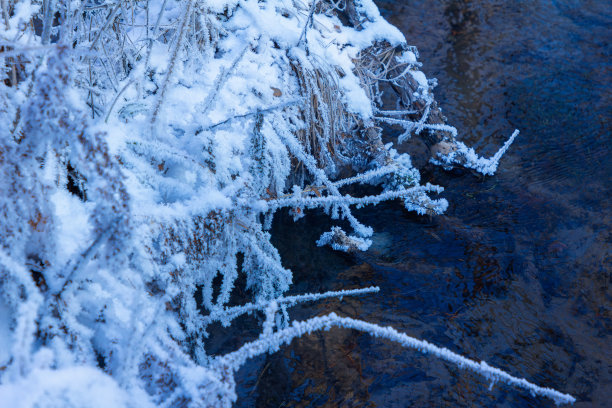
73, 224
77, 386
420, 78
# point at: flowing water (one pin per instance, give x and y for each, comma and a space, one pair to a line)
518, 272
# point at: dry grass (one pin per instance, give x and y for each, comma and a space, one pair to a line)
324, 113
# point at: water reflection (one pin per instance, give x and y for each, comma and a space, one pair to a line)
518, 272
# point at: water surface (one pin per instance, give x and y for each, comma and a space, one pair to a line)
518, 272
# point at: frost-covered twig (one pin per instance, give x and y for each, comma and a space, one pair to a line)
397, 112
421, 124
228, 314
5, 13
221, 79
272, 342
366, 176
308, 19
502, 150
89, 253
314, 202
273, 108
467, 157
48, 12
173, 59
296, 149
110, 108
409, 126
102, 29
27, 305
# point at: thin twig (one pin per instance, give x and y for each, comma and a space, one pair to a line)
231, 313
310, 14
89, 253
254, 113
272, 342
110, 109
109, 20
173, 58
5, 14
221, 79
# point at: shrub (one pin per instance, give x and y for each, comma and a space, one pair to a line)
146, 144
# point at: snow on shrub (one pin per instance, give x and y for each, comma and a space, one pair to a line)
144, 145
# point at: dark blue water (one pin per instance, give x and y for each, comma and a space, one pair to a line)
518, 272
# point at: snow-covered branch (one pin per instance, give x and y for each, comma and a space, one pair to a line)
271, 342
227, 314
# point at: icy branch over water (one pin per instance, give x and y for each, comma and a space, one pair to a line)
366, 176
227, 314
467, 157
271, 342
314, 202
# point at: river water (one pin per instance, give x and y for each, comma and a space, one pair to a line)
518, 271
